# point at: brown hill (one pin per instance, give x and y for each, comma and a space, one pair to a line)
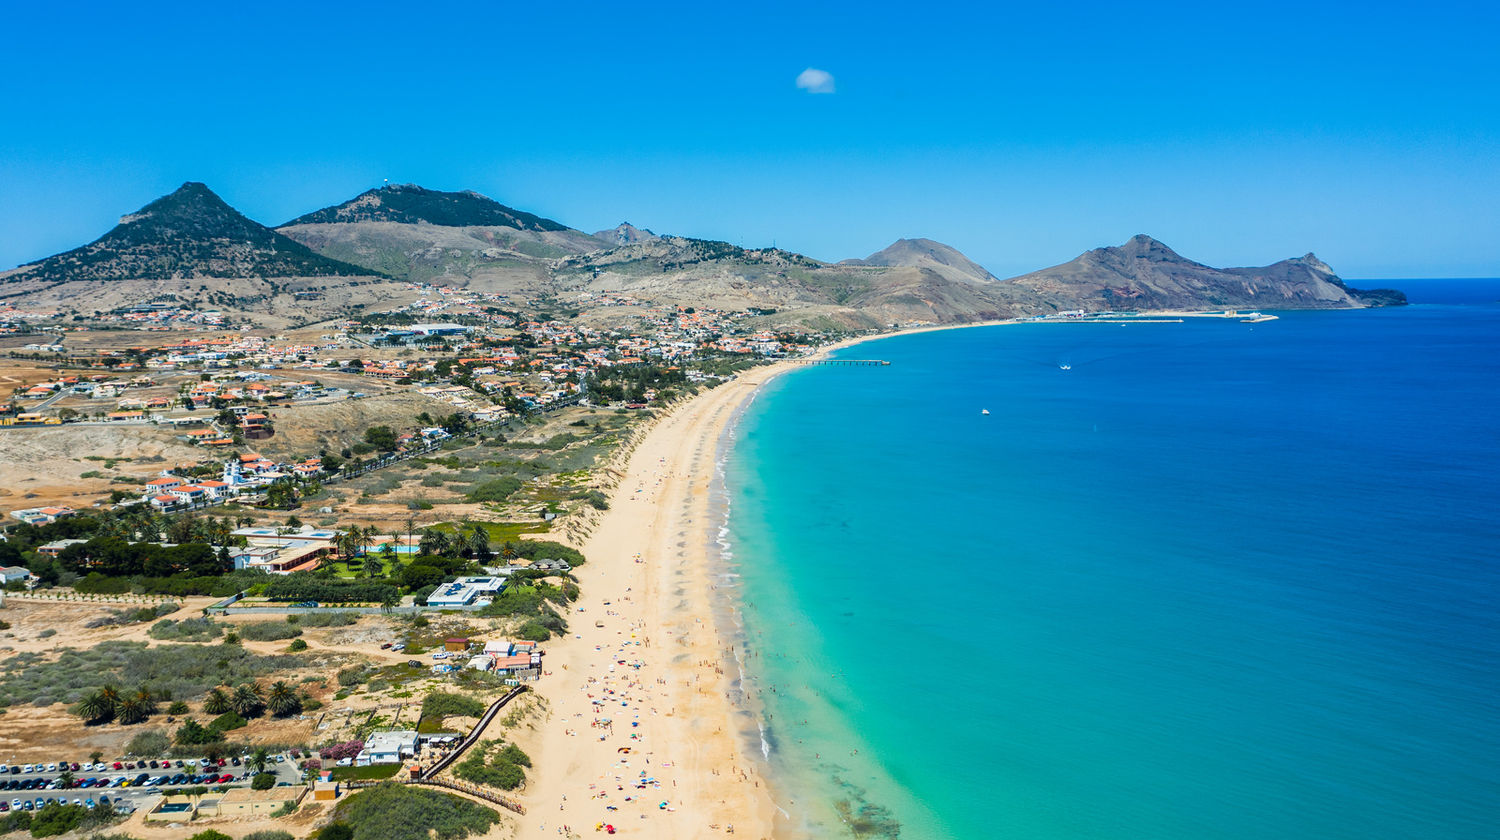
462, 238
943, 260
1144, 274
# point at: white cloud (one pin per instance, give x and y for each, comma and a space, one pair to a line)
814, 80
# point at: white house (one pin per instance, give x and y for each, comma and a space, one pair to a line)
388, 747
12, 574
466, 591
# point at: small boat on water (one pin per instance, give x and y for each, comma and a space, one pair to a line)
984, 411
1064, 367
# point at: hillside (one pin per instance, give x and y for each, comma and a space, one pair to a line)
1144, 274
186, 234
801, 290
410, 204
943, 260
460, 238
625, 233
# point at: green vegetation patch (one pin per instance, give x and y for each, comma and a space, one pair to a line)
390, 811
496, 489
179, 672
186, 630
269, 631
374, 772
490, 764
440, 705
324, 619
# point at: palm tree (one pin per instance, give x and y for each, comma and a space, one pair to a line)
130, 710
348, 542
261, 758
216, 702
247, 701
146, 700
477, 542
434, 542
65, 779
282, 700
389, 600
411, 525
95, 708
110, 695
374, 567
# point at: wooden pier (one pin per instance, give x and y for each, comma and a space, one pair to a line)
843, 362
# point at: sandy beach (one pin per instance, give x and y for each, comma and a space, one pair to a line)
643, 733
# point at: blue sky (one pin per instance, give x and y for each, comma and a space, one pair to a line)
1368, 133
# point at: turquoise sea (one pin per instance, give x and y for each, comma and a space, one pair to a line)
1207, 579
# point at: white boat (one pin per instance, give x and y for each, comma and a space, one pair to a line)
1064, 367
984, 411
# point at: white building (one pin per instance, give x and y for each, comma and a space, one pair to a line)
388, 748
466, 591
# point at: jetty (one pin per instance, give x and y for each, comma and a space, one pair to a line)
843, 362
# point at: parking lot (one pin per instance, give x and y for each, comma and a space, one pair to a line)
126, 785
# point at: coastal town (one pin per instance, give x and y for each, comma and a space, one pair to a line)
384, 521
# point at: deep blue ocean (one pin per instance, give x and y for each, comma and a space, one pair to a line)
1195, 580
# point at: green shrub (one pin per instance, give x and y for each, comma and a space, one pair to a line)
186, 630
149, 744
500, 774
515, 755
268, 835
227, 722
353, 675
297, 645
54, 819
210, 834
192, 733
495, 490
390, 811
441, 704
263, 781
269, 631
533, 631
305, 587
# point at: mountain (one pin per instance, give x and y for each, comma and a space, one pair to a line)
458, 238
798, 289
413, 205
625, 234
190, 233
943, 260
1144, 274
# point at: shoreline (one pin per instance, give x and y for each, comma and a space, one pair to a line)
649, 601
652, 582
656, 559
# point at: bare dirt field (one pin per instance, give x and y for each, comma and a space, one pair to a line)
304, 429
45, 465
